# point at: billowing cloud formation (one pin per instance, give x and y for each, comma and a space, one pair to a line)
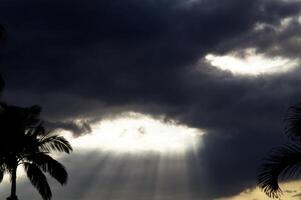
90, 60
77, 128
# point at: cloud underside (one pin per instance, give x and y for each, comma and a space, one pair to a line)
85, 61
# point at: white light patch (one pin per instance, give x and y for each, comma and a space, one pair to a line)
135, 132
251, 63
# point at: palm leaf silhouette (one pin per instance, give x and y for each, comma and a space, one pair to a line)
282, 162
54, 143
293, 123
27, 143
47, 164
285, 161
38, 179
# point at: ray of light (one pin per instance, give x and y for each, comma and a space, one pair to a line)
172, 178
133, 156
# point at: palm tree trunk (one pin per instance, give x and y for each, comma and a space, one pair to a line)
13, 195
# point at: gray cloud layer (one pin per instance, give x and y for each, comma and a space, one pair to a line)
88, 60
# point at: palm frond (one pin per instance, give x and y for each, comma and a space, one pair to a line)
25, 141
38, 179
51, 166
55, 143
283, 162
2, 171
36, 131
5, 168
293, 123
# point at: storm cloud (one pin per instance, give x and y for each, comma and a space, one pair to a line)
85, 61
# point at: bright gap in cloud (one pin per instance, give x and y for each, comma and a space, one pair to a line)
132, 133
136, 133
249, 62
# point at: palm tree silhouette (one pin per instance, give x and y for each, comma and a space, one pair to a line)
25, 142
284, 161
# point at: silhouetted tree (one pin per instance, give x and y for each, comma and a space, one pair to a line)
24, 141
283, 161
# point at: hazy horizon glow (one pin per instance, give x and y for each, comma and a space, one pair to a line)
290, 191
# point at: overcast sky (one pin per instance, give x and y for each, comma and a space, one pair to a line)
87, 61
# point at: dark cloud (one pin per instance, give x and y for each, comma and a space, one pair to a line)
90, 60
77, 129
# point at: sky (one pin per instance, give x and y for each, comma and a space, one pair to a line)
161, 99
